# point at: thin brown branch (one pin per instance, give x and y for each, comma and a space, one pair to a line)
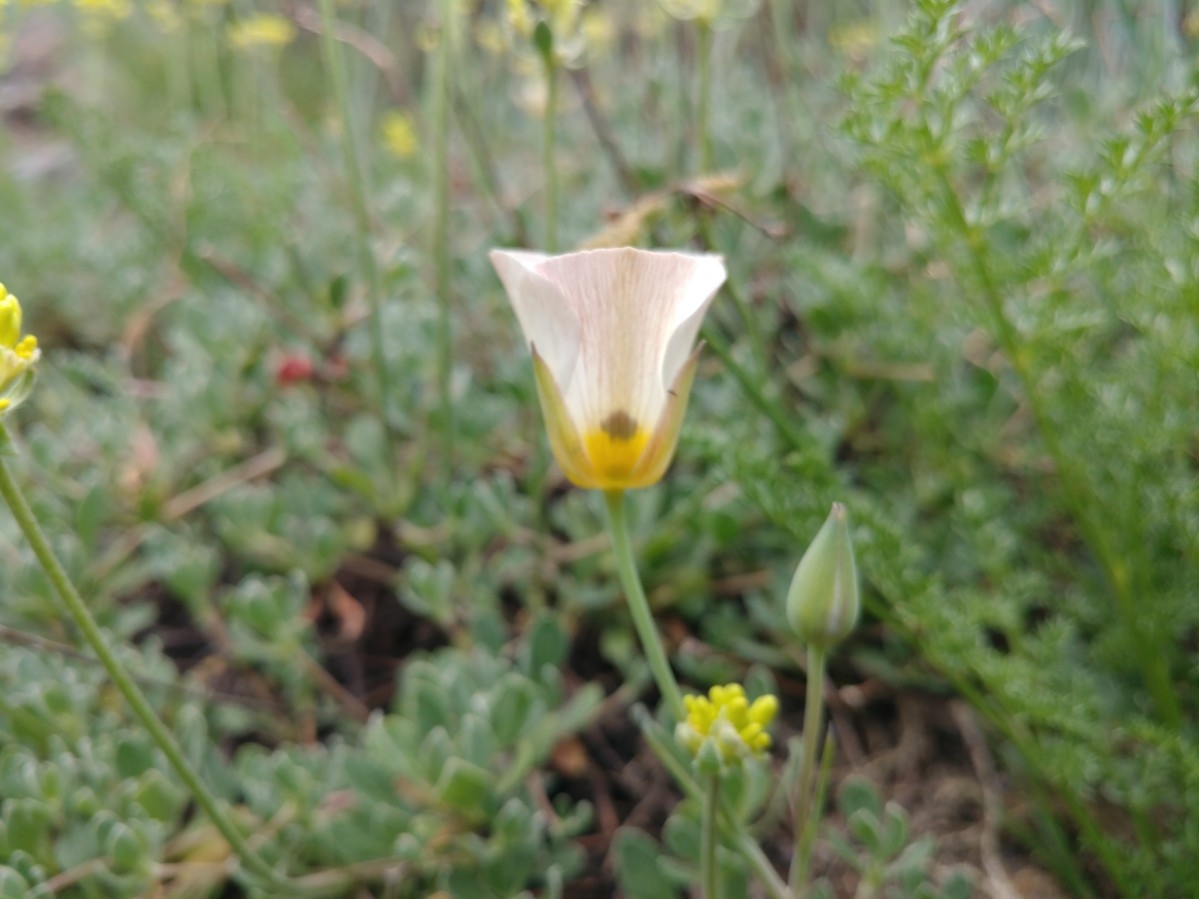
603, 133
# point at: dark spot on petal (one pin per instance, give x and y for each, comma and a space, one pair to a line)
619, 425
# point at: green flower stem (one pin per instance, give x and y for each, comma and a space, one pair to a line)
704, 101
643, 619
158, 731
1077, 493
708, 841
549, 156
443, 101
804, 807
335, 62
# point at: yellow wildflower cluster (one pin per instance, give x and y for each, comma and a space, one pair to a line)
726, 716
580, 29
710, 12
17, 353
111, 10
399, 134
261, 30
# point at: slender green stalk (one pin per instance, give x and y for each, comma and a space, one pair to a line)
1153, 663
807, 835
444, 93
549, 158
703, 104
780, 29
158, 731
209, 80
805, 810
707, 840
335, 62
643, 619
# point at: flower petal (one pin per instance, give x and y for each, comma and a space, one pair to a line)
564, 439
547, 318
639, 312
612, 333
707, 274
660, 451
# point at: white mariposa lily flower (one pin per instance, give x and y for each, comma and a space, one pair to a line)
612, 333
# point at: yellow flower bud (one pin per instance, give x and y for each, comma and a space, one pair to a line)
261, 30
10, 319
17, 353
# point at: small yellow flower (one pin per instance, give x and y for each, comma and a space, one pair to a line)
105, 9
519, 18
261, 30
1190, 24
612, 333
17, 354
715, 13
725, 716
578, 29
163, 14
687, 10
598, 31
489, 35
399, 134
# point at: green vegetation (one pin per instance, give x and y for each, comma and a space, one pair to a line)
285, 440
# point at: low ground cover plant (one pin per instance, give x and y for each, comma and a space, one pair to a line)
356, 541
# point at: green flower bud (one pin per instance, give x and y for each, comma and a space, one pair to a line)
823, 602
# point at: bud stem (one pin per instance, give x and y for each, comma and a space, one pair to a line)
805, 814
643, 619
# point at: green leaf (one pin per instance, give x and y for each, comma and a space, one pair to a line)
637, 867
466, 787
12, 884
125, 847
546, 645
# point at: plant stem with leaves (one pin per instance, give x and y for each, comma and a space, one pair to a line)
335, 62
1153, 663
11, 492
443, 100
733, 829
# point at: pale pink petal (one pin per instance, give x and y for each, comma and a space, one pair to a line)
547, 317
706, 275
638, 313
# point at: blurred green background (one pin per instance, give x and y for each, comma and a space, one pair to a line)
285, 434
